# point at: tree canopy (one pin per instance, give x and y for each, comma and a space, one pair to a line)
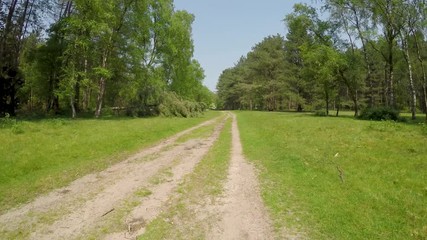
365, 54
90, 56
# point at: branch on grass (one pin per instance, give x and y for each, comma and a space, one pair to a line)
341, 173
103, 215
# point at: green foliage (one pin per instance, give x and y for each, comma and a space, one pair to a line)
380, 113
258, 80
7, 121
320, 113
12, 124
380, 192
423, 128
173, 106
340, 61
103, 54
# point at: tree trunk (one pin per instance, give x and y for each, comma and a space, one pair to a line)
102, 82
7, 27
327, 102
22, 19
24, 31
423, 70
338, 105
73, 107
77, 95
356, 105
385, 93
425, 98
31, 99
411, 78
368, 78
68, 9
391, 81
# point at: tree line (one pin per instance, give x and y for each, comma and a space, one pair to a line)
80, 56
355, 54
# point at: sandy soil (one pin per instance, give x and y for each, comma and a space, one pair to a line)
243, 215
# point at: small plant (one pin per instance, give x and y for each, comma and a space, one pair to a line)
17, 129
320, 113
380, 113
7, 121
143, 192
12, 124
424, 131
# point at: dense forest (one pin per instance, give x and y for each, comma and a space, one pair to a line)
352, 55
91, 56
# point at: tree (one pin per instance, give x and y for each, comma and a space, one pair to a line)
19, 19
123, 53
266, 69
300, 27
408, 28
323, 63
389, 13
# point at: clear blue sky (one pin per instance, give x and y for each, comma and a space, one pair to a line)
225, 30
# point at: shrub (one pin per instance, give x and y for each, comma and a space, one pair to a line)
171, 105
380, 113
320, 113
7, 121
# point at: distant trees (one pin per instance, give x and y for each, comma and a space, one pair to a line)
96, 54
257, 81
367, 54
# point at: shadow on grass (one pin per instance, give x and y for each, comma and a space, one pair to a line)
404, 118
4, 122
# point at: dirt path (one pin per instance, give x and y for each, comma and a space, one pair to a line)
243, 213
120, 201
78, 209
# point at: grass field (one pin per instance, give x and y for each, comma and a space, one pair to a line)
340, 178
38, 156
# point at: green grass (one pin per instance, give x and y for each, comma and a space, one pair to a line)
162, 176
143, 192
38, 156
201, 187
383, 191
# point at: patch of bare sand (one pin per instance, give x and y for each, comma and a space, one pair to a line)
85, 201
242, 212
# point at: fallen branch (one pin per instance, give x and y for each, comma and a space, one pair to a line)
103, 215
341, 173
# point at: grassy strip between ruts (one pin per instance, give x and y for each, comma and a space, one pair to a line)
185, 218
38, 156
340, 178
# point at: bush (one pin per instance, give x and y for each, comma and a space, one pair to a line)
380, 113
7, 121
171, 105
320, 113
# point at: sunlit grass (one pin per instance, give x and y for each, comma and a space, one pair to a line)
340, 178
38, 156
